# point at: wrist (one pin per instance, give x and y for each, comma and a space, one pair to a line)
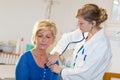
61, 71
56, 54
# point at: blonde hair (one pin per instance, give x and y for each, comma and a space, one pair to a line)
43, 25
91, 12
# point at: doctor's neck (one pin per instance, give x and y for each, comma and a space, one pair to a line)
92, 31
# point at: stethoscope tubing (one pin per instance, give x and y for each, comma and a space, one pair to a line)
73, 42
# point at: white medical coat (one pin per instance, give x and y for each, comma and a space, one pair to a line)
98, 53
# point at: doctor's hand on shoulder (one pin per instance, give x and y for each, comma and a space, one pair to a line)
52, 59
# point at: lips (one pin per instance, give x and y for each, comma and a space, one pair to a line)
43, 44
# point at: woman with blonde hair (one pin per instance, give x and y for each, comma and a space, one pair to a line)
32, 64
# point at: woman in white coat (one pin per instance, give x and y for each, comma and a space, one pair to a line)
92, 52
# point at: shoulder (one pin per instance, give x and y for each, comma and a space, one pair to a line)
103, 38
23, 59
25, 55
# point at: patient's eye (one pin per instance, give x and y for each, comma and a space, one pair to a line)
39, 35
48, 36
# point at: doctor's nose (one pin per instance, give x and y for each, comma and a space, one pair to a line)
78, 25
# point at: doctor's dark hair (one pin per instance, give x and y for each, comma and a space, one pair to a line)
44, 24
91, 12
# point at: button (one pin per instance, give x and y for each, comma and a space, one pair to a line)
44, 72
44, 76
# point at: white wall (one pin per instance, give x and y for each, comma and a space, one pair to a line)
17, 17
64, 11
113, 31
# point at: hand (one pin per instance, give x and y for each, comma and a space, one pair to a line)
55, 68
52, 59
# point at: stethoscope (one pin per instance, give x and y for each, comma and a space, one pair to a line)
74, 42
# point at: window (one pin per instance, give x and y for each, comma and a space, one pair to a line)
116, 10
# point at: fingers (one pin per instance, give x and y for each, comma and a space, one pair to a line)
51, 60
49, 63
52, 67
55, 68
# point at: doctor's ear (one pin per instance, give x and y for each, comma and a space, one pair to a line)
93, 23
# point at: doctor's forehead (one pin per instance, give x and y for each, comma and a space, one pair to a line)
80, 18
